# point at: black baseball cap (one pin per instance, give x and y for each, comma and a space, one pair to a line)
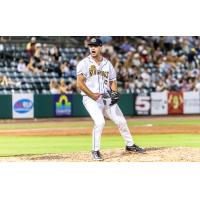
95, 42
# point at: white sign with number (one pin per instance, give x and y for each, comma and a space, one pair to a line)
142, 105
191, 102
159, 105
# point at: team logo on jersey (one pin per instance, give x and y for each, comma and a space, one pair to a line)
93, 71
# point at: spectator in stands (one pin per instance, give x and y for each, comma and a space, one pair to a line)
197, 84
135, 59
126, 46
54, 87
45, 52
64, 89
145, 57
86, 41
171, 82
40, 66
169, 42
164, 66
146, 78
73, 86
4, 81
54, 53
31, 65
64, 69
130, 86
37, 53
161, 86
143, 64
191, 84
30, 47
116, 62
183, 85
108, 49
138, 84
21, 67
74, 61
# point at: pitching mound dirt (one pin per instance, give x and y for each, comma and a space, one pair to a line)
179, 154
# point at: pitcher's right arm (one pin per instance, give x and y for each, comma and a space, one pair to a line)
80, 83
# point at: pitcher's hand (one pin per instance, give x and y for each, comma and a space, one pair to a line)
95, 96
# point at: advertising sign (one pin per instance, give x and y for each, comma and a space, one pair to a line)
142, 105
22, 106
191, 102
62, 105
175, 103
159, 105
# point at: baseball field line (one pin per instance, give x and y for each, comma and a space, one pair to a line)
86, 124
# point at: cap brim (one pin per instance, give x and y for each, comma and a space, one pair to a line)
93, 44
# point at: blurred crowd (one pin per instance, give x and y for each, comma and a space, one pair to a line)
61, 87
143, 64
146, 64
48, 58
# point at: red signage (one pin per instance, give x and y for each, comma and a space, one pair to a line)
175, 103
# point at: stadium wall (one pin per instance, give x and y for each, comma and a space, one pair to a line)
50, 106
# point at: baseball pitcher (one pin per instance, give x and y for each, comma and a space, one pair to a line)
96, 78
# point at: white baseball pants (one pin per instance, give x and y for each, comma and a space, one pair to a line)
97, 111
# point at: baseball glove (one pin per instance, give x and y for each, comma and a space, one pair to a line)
111, 98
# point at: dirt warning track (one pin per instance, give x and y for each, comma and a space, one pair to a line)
107, 131
72, 127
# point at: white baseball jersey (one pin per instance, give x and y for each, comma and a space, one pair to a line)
97, 76
97, 80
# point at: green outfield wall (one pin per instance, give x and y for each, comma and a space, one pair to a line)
44, 106
5, 106
49, 106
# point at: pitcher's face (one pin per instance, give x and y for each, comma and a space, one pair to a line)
95, 51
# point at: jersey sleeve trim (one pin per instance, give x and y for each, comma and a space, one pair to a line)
113, 79
79, 73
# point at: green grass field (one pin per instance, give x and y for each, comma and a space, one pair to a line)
22, 145
10, 146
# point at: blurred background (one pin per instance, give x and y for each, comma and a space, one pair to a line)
47, 64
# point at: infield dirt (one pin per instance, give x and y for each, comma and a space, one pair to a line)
179, 154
